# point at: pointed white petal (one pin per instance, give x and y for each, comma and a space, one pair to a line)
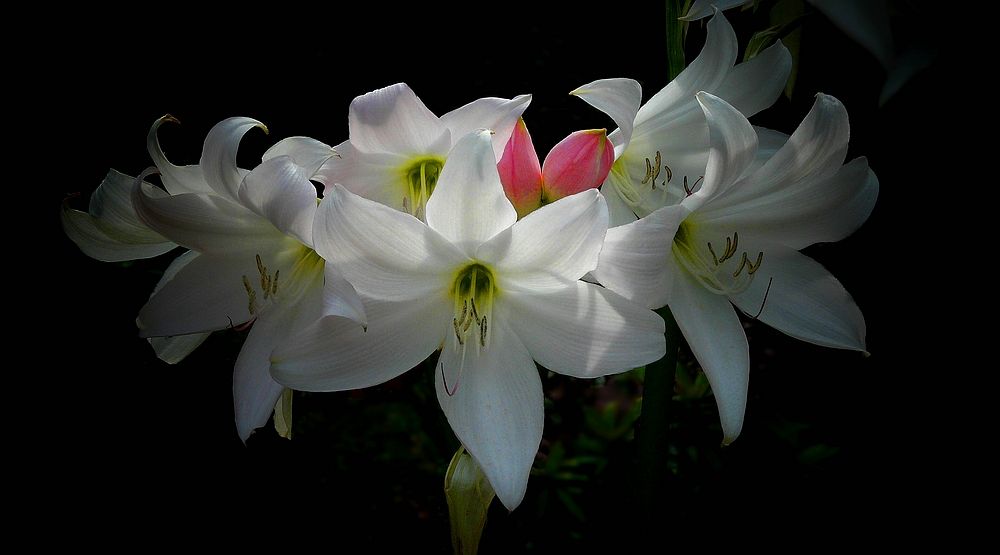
495, 409
373, 175
636, 261
384, 253
811, 212
756, 83
496, 114
340, 298
551, 247
336, 354
205, 294
618, 98
707, 72
393, 119
173, 349
619, 212
176, 179
280, 191
585, 330
306, 152
815, 150
701, 9
111, 231
714, 333
734, 146
218, 157
803, 300
202, 222
254, 391
468, 205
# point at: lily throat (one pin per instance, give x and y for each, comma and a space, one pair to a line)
721, 269
421, 177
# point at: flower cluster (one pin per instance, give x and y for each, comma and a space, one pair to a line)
445, 236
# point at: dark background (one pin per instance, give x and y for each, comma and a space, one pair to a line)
829, 441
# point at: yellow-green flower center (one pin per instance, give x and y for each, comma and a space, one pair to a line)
474, 289
421, 176
717, 267
306, 268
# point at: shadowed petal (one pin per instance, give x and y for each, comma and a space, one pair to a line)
336, 354
218, 157
803, 300
716, 337
110, 231
279, 190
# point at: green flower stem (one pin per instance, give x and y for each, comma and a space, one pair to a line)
675, 36
652, 435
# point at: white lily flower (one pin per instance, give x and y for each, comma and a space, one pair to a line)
250, 258
397, 147
661, 148
735, 241
494, 293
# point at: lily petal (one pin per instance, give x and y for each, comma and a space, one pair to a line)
496, 409
618, 98
254, 391
336, 354
636, 261
469, 215
218, 157
176, 179
280, 191
110, 231
734, 146
175, 348
306, 152
385, 253
202, 222
393, 119
803, 300
717, 339
550, 248
205, 295
496, 114
586, 330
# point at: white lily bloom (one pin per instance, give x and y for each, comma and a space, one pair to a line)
250, 258
494, 293
397, 147
661, 148
735, 241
